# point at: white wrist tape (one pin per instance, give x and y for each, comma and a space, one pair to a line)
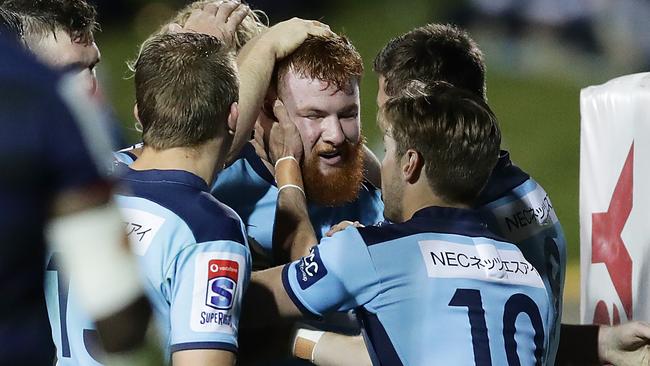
93, 251
285, 158
305, 339
292, 186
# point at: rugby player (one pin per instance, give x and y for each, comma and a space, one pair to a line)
249, 170
192, 249
51, 135
437, 52
319, 84
60, 34
414, 280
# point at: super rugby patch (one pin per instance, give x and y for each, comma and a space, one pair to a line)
217, 278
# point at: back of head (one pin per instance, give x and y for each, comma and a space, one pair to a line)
453, 130
252, 25
185, 84
11, 26
332, 59
434, 52
43, 17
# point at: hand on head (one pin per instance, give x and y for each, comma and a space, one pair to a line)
284, 138
286, 36
219, 19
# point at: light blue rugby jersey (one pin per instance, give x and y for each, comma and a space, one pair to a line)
517, 208
193, 254
250, 189
194, 258
439, 289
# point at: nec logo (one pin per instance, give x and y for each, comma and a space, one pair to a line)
310, 269
222, 283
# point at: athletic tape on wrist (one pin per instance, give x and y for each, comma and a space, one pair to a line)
292, 186
304, 339
285, 158
91, 245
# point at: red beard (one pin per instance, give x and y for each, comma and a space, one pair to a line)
339, 185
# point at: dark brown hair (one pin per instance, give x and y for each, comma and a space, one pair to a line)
185, 84
332, 59
434, 52
41, 17
453, 130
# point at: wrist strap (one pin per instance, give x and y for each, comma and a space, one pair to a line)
290, 157
305, 342
292, 186
288, 174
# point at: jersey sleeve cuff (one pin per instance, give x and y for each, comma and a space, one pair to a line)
224, 346
296, 301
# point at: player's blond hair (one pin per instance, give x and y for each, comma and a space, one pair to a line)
255, 22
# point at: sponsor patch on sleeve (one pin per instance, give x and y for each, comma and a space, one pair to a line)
310, 269
217, 278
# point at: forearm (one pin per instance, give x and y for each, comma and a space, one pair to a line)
256, 62
293, 234
341, 350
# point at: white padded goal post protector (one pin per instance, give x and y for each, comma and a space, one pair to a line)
615, 200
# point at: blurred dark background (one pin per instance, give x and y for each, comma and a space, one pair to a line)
540, 53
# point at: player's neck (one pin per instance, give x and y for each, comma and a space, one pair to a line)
417, 197
201, 160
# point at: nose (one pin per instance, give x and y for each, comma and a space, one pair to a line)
332, 132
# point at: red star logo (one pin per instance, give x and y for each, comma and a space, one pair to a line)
607, 246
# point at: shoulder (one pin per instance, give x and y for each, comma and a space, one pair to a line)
504, 178
206, 217
386, 232
247, 168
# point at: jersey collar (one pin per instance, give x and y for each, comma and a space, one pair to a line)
163, 176
447, 214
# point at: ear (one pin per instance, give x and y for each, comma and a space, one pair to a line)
135, 112
232, 118
412, 164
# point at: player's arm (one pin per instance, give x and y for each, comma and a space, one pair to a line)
336, 275
293, 234
330, 349
205, 286
256, 62
625, 344
199, 357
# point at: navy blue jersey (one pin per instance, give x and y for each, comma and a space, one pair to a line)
44, 150
516, 207
439, 289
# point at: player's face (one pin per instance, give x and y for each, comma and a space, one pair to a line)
391, 184
330, 128
61, 52
327, 118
